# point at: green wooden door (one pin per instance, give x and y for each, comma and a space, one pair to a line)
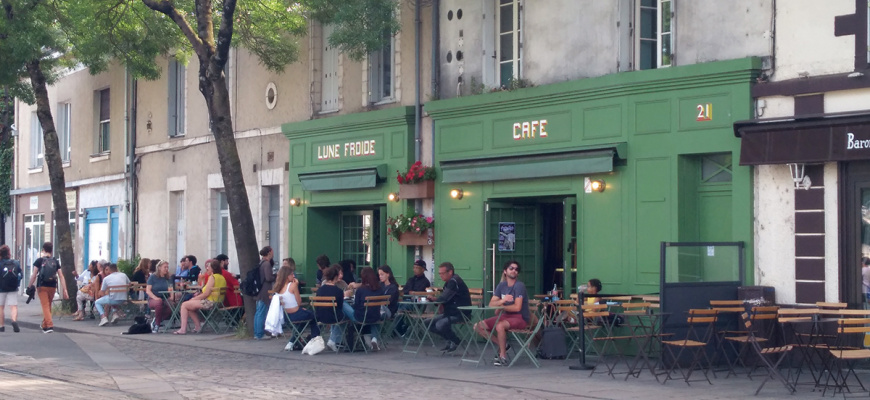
569, 240
512, 233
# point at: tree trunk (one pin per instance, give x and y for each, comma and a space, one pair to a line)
214, 89
55, 176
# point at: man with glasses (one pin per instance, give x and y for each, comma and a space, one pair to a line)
455, 295
510, 294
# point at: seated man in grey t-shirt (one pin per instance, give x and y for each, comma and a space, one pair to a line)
114, 278
510, 294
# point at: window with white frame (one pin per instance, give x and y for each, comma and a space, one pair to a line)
509, 41
654, 47
176, 97
329, 71
382, 71
64, 111
222, 227
36, 145
102, 140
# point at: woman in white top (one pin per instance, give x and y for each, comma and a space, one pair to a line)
287, 287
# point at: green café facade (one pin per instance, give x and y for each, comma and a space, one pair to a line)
575, 180
529, 164
342, 170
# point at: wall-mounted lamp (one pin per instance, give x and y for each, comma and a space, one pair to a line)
456, 194
81, 212
801, 180
295, 202
393, 197
597, 185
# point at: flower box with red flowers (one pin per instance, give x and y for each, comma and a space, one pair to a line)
411, 228
417, 183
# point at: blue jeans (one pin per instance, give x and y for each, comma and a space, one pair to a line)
302, 315
348, 312
336, 332
103, 302
260, 319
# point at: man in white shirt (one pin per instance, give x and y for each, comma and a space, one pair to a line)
114, 278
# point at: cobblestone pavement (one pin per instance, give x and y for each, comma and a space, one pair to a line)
82, 359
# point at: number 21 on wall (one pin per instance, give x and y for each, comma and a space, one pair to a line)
705, 112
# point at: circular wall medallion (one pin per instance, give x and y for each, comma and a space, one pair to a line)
271, 95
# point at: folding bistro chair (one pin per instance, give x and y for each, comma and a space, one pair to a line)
297, 328
593, 314
372, 304
122, 308
700, 332
763, 318
230, 316
769, 357
328, 305
789, 319
524, 338
849, 349
209, 316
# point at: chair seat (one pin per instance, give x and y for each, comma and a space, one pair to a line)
775, 350
851, 354
744, 339
685, 343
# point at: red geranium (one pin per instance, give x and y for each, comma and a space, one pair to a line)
416, 174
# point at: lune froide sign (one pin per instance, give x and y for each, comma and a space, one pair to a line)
816, 141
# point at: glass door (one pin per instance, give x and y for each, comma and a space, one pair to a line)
512, 233
360, 239
569, 240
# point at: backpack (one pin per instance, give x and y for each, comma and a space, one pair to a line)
11, 276
48, 271
552, 344
252, 284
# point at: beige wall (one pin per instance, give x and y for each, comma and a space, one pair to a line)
77, 88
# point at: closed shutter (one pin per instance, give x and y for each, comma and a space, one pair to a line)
329, 82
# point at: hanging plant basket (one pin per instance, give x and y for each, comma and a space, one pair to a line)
422, 190
412, 239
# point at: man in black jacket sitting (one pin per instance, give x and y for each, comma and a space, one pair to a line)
455, 295
418, 282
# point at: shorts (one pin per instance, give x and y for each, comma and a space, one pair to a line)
206, 304
515, 319
8, 299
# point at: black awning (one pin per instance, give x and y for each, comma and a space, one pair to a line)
816, 139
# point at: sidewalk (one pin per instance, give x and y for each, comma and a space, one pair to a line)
552, 380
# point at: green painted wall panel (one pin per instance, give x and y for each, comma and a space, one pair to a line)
604, 122
652, 117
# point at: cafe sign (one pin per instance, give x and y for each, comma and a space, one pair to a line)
347, 150
530, 129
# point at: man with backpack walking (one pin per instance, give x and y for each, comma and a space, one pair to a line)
47, 278
268, 279
10, 278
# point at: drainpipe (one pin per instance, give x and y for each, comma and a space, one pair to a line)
436, 66
417, 75
128, 160
134, 177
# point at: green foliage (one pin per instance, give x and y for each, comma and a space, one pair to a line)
29, 31
128, 266
7, 155
360, 25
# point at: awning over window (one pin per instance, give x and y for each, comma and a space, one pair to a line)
579, 162
818, 139
364, 178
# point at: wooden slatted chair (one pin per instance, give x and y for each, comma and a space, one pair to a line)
118, 307
327, 305
830, 306
477, 298
232, 316
372, 304
769, 357
209, 316
700, 332
849, 350
764, 319
593, 315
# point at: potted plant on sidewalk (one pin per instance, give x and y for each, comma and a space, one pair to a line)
411, 228
417, 183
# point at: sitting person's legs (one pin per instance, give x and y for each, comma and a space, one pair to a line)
304, 315
189, 309
103, 305
442, 325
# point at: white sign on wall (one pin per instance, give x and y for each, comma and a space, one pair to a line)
34, 202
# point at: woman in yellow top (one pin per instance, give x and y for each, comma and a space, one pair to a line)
205, 300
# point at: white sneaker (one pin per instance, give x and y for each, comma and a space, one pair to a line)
114, 318
332, 346
104, 321
374, 344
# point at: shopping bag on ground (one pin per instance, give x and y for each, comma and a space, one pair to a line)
314, 346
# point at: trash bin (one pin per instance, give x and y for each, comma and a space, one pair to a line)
757, 295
